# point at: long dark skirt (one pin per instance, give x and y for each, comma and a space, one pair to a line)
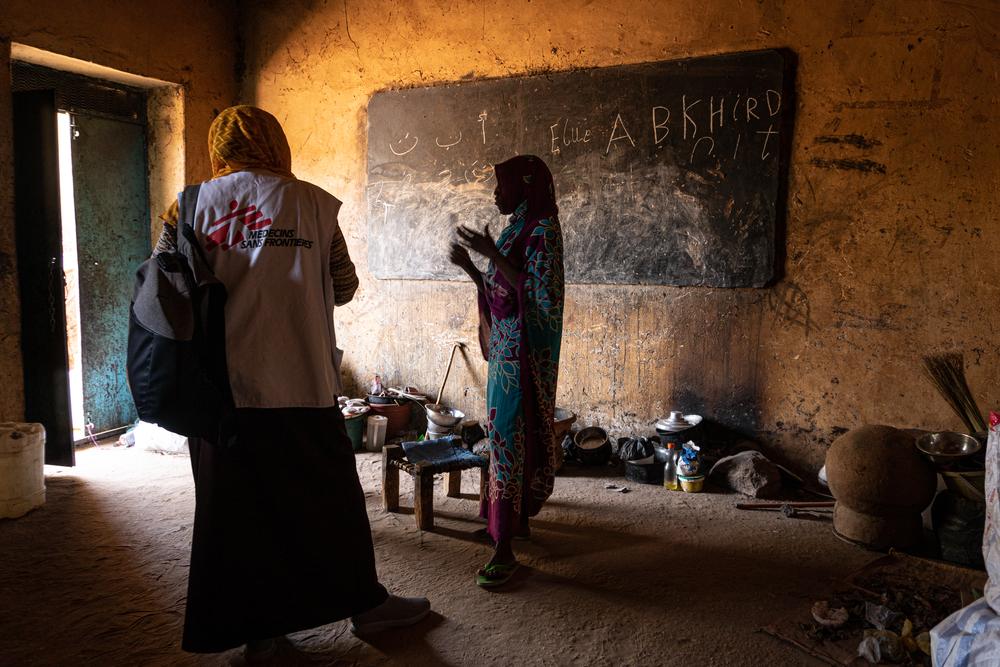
281, 536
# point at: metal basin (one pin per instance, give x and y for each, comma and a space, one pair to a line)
947, 447
442, 415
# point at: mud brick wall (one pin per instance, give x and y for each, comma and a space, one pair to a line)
891, 209
892, 203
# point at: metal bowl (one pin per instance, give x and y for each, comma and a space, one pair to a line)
947, 446
442, 415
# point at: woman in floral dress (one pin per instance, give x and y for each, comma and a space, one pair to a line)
521, 308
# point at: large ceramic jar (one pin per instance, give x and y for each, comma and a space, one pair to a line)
881, 484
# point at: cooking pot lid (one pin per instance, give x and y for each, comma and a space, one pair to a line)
677, 422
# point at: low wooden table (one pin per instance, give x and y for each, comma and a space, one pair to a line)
393, 460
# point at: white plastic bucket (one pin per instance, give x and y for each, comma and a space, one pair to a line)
377, 425
22, 468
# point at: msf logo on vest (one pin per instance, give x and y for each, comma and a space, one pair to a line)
231, 230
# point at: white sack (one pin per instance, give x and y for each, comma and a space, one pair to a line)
971, 636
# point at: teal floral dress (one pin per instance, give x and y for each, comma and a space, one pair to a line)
524, 342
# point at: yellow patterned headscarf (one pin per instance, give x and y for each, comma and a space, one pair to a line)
244, 137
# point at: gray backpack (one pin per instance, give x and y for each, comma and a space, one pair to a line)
176, 339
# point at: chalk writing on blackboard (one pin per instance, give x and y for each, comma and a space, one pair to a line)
666, 173
401, 143
563, 135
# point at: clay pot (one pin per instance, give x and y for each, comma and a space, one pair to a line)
881, 484
592, 446
398, 416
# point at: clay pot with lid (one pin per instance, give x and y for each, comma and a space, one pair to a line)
881, 484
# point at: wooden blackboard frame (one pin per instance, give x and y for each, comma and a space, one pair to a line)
638, 210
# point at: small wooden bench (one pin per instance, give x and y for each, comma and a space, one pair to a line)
393, 460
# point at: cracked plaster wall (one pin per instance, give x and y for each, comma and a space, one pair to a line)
891, 207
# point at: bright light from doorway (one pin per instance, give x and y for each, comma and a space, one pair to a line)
71, 271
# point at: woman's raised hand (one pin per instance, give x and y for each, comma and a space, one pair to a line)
459, 256
480, 242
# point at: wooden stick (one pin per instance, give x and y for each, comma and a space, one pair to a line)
390, 477
484, 482
447, 371
778, 506
455, 484
423, 497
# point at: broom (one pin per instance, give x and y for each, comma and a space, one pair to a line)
947, 373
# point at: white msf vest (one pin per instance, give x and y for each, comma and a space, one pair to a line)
267, 238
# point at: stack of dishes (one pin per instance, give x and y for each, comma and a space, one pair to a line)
442, 420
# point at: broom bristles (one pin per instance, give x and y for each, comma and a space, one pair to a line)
947, 373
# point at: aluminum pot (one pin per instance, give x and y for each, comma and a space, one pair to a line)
671, 433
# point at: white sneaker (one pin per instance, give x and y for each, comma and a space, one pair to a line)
395, 612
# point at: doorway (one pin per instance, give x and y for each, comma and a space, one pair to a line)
84, 141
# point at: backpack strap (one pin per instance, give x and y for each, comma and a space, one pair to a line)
188, 244
209, 314
187, 241
188, 202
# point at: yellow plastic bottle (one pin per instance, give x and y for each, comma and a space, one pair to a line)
670, 480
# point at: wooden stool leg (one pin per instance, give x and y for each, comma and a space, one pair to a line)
423, 498
455, 484
390, 477
484, 482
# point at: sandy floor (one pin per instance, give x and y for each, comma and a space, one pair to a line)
98, 575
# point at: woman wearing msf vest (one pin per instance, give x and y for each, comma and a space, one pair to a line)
281, 536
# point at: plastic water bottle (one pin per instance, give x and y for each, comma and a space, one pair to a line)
670, 468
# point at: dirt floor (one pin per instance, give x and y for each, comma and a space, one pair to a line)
651, 577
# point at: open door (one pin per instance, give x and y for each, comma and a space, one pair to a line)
40, 271
112, 228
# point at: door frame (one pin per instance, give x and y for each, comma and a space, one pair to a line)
38, 231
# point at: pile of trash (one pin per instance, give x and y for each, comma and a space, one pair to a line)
886, 635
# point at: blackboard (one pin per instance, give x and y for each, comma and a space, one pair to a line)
666, 173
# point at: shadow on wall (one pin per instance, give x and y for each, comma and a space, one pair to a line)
720, 377
718, 372
268, 36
